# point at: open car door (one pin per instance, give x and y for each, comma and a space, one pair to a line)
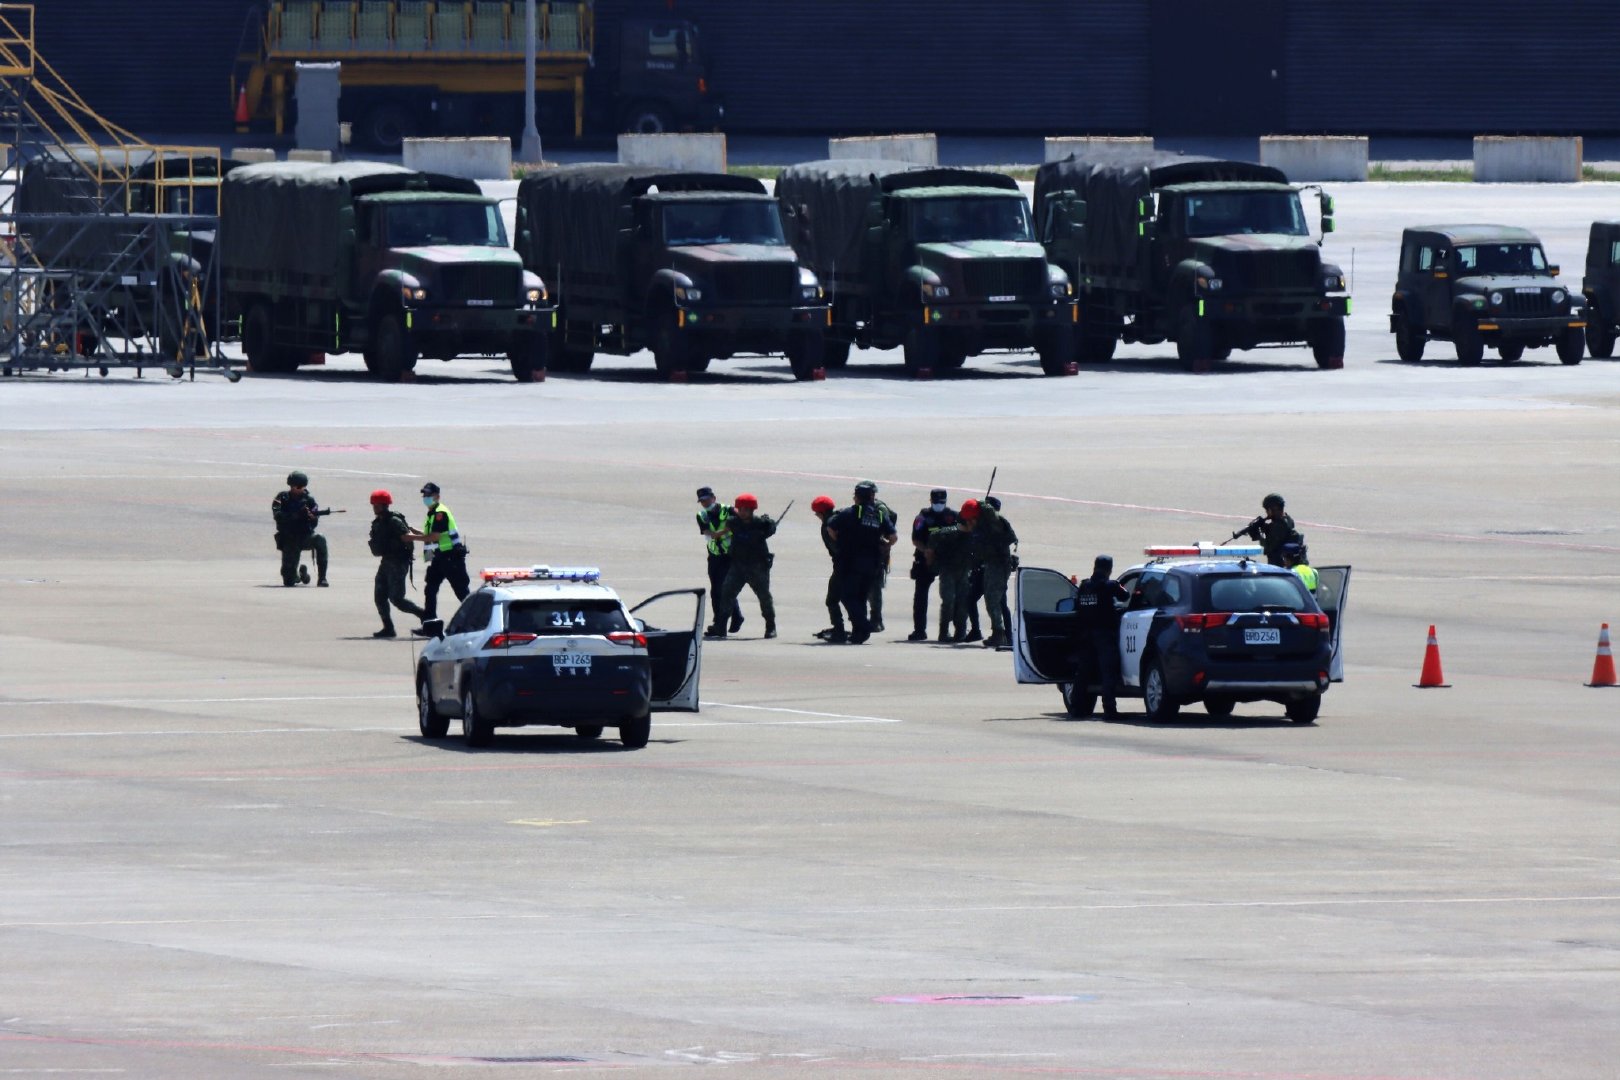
1332, 590
1043, 626
672, 623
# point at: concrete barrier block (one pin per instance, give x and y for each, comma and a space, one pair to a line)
1308, 158
914, 149
320, 157
1059, 147
683, 153
479, 158
253, 155
1543, 159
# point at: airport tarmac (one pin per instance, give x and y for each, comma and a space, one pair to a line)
228, 853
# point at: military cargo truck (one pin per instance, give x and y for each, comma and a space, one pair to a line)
377, 259
1601, 285
1213, 255
942, 263
693, 266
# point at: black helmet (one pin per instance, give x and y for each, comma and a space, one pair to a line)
1103, 567
992, 502
430, 488
865, 491
297, 479
1273, 499
938, 495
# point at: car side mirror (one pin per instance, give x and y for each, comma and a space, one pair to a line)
1554, 270
434, 628
1326, 202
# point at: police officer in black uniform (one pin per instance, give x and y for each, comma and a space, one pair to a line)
863, 534
1097, 608
937, 515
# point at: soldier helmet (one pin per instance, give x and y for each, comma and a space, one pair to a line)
1103, 566
970, 510
381, 497
746, 501
822, 502
1273, 500
430, 488
993, 502
297, 479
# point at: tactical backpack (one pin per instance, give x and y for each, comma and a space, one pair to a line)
389, 543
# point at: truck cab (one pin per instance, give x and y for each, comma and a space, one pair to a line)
1481, 286
1601, 287
657, 76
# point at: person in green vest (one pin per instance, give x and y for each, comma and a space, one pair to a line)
390, 542
712, 516
751, 559
1297, 559
445, 552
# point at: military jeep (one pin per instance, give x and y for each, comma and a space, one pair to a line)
1482, 285
1601, 286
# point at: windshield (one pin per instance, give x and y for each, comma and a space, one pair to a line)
573, 618
733, 222
425, 224
948, 220
1231, 213
1502, 258
1258, 592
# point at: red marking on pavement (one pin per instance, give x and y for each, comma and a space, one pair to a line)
349, 448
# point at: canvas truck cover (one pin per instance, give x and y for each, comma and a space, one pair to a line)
1111, 184
279, 220
826, 201
572, 213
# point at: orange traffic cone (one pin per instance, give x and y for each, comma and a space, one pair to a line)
1432, 676
1603, 666
242, 110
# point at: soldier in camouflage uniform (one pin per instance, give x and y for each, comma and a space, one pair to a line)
390, 542
751, 560
993, 541
950, 561
823, 506
297, 514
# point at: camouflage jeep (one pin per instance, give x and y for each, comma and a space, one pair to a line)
1482, 285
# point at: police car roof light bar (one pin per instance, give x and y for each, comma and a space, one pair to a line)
542, 573
1205, 548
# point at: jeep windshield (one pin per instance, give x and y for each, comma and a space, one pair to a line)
1502, 259
1231, 213
459, 224
949, 220
737, 221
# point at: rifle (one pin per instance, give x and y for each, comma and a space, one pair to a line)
323, 513
1245, 530
785, 510
992, 482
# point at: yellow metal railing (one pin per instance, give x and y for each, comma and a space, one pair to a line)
16, 40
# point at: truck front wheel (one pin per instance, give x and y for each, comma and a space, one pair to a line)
1056, 346
1470, 346
1195, 341
1409, 341
1599, 337
805, 352
528, 357
395, 352
646, 118
1327, 343
671, 348
922, 350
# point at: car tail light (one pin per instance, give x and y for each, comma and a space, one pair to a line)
1313, 620
1203, 620
628, 637
506, 641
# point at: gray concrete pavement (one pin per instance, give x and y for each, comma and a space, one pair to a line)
227, 853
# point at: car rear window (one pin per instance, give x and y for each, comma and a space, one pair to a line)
565, 617
1257, 592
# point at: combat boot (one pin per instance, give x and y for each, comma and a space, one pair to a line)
917, 635
994, 641
303, 574
385, 632
971, 635
736, 621
715, 633
770, 628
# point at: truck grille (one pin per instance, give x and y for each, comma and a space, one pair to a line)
1527, 305
474, 281
1023, 278
754, 283
1265, 271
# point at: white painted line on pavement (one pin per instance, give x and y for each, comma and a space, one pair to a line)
840, 717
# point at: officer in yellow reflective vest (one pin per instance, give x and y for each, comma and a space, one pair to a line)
446, 553
712, 517
1295, 558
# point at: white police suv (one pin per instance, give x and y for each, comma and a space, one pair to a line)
1204, 623
553, 645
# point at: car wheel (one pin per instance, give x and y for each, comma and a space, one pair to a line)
1077, 703
634, 733
1219, 707
1470, 346
429, 721
1156, 700
396, 353
1572, 346
1327, 343
589, 731
1409, 342
1510, 354
1599, 337
474, 728
1304, 710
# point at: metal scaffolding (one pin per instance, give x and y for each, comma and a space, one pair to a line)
107, 253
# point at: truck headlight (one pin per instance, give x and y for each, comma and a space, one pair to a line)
536, 295
810, 292
934, 291
1210, 284
1062, 290
418, 295
1496, 299
684, 293
1333, 282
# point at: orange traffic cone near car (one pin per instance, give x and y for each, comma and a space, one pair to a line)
1432, 675
1603, 666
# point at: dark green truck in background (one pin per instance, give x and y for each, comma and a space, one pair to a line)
377, 259
1213, 255
940, 262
